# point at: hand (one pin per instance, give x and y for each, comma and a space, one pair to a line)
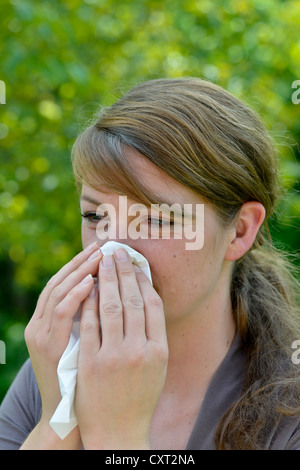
48, 331
121, 372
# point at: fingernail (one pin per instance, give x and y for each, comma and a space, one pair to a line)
121, 255
94, 255
93, 292
136, 268
86, 279
107, 261
90, 247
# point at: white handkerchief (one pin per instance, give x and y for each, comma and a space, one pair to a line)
64, 419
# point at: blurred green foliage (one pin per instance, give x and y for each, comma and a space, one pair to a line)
60, 60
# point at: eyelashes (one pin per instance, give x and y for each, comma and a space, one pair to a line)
93, 218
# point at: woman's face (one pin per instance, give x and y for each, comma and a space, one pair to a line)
186, 279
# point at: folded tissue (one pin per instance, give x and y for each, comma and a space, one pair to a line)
64, 420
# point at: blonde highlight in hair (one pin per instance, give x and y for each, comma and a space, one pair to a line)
207, 140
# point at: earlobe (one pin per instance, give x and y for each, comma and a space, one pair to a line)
249, 219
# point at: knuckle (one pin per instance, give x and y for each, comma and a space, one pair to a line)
89, 325
161, 353
137, 358
28, 334
112, 309
137, 353
111, 361
55, 294
39, 343
77, 275
75, 292
73, 276
155, 301
73, 296
51, 283
108, 276
134, 301
125, 270
59, 311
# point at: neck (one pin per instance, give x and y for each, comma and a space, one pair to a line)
198, 342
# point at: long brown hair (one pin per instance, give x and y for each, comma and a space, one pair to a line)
209, 141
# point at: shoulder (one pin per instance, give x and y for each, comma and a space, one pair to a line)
287, 435
21, 408
25, 385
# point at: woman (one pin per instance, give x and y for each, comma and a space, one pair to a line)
201, 359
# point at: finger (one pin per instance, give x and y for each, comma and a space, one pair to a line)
153, 307
111, 314
131, 298
73, 279
65, 311
65, 271
90, 340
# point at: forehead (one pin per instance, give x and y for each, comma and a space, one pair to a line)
158, 182
153, 179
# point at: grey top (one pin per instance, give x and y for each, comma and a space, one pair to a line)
21, 408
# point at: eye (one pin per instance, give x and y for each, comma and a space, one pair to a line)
92, 217
159, 222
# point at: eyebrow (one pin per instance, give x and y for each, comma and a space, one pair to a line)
87, 198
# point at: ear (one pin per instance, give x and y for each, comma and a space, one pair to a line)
241, 237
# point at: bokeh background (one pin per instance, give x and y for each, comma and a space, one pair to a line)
61, 60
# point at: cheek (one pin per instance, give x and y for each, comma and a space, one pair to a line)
170, 268
180, 276
88, 236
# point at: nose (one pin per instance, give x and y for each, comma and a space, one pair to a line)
115, 230
128, 242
